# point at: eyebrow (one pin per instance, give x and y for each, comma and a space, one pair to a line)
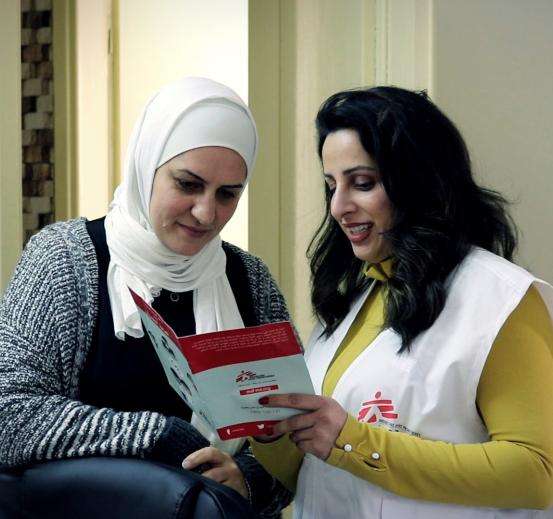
354, 169
197, 177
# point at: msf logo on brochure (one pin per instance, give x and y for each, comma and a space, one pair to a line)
251, 383
373, 410
245, 375
248, 376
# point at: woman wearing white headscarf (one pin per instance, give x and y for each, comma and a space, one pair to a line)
77, 374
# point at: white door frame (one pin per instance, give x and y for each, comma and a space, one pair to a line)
403, 43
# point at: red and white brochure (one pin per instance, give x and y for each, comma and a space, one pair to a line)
222, 375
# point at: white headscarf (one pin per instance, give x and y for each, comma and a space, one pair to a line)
184, 115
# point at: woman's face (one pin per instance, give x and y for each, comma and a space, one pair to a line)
359, 201
194, 195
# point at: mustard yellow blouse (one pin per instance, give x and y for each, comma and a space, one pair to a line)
515, 398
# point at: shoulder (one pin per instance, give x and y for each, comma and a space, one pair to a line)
61, 255
245, 256
255, 267
497, 266
485, 269
55, 281
265, 296
486, 288
70, 236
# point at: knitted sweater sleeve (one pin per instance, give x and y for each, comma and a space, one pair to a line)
46, 318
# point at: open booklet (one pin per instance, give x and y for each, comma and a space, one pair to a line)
222, 375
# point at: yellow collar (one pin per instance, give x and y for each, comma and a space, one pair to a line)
380, 271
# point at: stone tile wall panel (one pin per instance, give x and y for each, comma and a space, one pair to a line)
37, 73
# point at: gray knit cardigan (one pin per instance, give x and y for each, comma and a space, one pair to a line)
47, 318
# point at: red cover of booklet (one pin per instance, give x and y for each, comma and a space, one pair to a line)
222, 375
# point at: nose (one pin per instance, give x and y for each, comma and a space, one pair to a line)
341, 203
204, 209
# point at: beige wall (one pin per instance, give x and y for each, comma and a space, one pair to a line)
493, 74
93, 89
163, 40
11, 231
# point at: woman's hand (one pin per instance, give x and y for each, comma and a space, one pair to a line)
314, 432
223, 468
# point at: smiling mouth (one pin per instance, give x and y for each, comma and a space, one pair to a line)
359, 233
193, 231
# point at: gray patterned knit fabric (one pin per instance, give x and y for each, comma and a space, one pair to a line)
47, 317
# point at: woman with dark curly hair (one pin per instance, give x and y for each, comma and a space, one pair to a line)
433, 352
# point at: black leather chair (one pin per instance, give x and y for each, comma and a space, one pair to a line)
110, 488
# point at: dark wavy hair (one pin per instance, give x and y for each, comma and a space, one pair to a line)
440, 213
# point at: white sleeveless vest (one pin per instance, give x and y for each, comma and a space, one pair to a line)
429, 392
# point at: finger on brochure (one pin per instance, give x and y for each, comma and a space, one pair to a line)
292, 401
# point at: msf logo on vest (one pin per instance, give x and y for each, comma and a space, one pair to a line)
377, 410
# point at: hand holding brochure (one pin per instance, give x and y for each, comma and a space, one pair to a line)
222, 375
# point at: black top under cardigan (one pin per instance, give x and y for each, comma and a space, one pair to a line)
127, 375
